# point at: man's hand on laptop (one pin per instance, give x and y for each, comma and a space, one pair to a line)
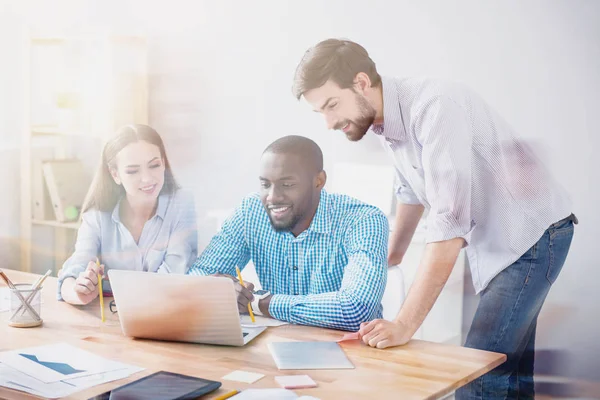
244, 293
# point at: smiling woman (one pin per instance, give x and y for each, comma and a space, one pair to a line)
135, 217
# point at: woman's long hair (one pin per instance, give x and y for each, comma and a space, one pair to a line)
104, 192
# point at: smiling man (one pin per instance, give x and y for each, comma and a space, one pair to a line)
484, 189
321, 258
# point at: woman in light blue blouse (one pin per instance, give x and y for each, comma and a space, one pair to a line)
135, 217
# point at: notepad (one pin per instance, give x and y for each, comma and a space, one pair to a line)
295, 381
243, 376
309, 355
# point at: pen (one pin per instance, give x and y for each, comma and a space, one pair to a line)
227, 395
100, 291
239, 276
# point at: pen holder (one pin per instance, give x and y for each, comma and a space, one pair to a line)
25, 310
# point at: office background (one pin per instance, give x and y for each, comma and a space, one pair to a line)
220, 75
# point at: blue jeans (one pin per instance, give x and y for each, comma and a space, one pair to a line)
506, 318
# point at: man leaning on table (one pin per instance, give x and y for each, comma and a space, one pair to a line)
321, 256
485, 192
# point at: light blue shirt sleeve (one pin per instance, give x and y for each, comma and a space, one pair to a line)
227, 249
182, 249
361, 291
87, 248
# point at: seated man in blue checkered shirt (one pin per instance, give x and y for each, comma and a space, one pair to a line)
321, 256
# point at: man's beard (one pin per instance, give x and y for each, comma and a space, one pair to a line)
285, 226
359, 127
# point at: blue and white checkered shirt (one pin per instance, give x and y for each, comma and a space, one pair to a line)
332, 275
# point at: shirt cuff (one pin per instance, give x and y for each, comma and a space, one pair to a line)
443, 227
69, 273
280, 306
197, 271
405, 196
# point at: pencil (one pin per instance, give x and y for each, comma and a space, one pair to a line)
100, 291
41, 280
228, 395
239, 276
7, 280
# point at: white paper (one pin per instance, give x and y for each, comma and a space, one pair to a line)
104, 377
261, 321
266, 394
243, 376
78, 362
13, 379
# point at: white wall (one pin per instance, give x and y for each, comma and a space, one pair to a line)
221, 75
10, 123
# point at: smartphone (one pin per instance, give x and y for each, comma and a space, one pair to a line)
162, 385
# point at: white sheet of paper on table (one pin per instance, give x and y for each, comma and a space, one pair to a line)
84, 362
261, 321
13, 379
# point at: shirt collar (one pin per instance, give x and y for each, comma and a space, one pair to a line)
161, 209
393, 126
320, 222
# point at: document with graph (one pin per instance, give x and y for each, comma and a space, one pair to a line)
58, 362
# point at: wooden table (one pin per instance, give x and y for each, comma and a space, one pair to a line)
418, 370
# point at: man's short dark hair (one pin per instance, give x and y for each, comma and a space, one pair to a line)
335, 59
307, 149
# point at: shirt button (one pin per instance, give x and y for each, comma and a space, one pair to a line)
414, 166
295, 268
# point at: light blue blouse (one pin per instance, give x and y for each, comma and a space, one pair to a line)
168, 243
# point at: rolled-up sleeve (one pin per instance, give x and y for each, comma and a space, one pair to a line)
87, 248
403, 191
182, 249
444, 131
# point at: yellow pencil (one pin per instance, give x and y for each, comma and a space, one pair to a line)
228, 395
100, 291
239, 276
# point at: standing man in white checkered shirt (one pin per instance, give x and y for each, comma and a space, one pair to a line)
484, 191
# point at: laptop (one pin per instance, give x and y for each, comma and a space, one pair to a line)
181, 308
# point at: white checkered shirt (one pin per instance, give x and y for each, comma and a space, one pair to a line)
456, 156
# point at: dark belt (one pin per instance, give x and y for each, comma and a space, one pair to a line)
571, 217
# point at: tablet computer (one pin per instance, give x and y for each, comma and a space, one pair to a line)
309, 355
161, 385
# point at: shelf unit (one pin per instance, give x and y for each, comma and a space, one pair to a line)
79, 90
